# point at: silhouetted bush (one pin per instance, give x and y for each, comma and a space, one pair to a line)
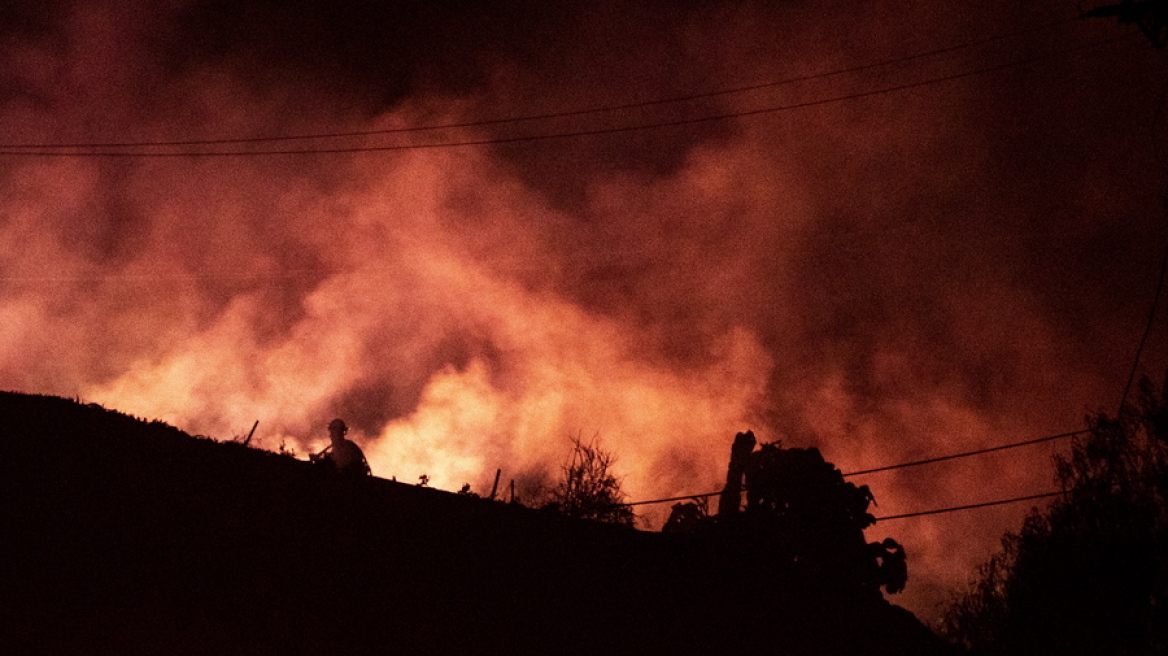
1090, 574
588, 489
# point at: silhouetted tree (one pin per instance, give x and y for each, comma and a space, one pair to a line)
818, 518
798, 486
588, 489
1090, 574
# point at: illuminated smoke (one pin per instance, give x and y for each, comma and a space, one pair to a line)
460, 369
889, 279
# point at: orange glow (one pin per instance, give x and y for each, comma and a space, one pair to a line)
888, 278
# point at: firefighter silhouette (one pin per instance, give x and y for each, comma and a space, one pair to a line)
342, 454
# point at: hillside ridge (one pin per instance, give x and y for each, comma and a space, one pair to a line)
131, 536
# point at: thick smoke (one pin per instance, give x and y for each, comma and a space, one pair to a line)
888, 278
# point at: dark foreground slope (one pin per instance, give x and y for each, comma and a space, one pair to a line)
122, 536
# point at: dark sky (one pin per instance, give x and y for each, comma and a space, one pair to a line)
964, 262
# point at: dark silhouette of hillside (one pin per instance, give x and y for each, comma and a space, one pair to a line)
123, 536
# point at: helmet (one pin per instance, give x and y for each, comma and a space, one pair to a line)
338, 425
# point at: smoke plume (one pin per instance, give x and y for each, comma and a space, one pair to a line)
890, 277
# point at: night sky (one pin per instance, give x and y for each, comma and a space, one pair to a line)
930, 255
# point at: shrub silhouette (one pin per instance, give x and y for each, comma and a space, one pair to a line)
588, 489
1090, 574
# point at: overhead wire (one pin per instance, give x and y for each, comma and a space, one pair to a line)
976, 452
939, 511
568, 134
1030, 497
561, 114
684, 498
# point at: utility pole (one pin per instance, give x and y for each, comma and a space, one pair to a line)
731, 500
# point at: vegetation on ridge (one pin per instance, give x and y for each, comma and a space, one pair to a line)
1090, 574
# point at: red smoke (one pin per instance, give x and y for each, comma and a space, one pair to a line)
889, 278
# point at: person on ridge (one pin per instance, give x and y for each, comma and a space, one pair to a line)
343, 454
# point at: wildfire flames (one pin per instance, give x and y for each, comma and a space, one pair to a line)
889, 278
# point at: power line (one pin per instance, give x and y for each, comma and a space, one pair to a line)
1003, 447
1031, 497
901, 465
571, 134
971, 506
936, 511
561, 114
685, 498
